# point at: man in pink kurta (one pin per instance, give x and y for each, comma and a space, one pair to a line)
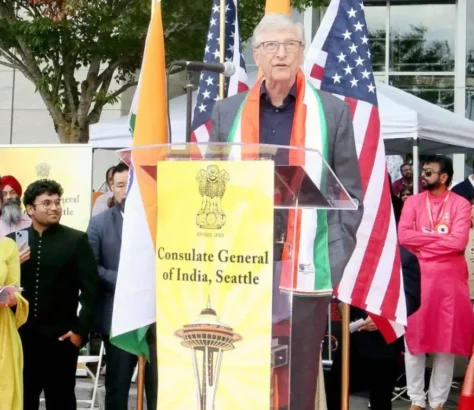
435, 226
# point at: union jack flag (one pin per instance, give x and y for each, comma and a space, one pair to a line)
339, 62
208, 91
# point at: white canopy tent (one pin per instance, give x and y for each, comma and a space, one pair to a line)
408, 123
115, 134
406, 118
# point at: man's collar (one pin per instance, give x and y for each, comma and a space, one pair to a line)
263, 90
49, 231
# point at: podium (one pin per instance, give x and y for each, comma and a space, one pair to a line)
241, 230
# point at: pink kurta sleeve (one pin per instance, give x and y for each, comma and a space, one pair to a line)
408, 236
457, 239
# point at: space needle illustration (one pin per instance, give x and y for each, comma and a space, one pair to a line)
208, 339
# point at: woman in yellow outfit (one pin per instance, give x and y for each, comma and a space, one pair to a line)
11, 354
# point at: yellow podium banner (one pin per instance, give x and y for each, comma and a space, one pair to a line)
70, 165
214, 284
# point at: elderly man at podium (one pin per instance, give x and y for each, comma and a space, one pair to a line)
275, 111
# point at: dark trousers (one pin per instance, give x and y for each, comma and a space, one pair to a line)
49, 366
375, 375
309, 318
118, 377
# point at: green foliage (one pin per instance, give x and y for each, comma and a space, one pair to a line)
107, 38
187, 21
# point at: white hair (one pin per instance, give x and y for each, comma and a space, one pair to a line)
275, 22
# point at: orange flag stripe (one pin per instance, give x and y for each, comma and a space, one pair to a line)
278, 7
151, 125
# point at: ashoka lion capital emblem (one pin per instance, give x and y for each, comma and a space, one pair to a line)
212, 185
42, 170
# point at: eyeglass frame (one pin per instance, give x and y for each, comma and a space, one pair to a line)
48, 207
262, 44
424, 171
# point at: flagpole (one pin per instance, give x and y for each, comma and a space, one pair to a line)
140, 382
345, 312
222, 47
141, 359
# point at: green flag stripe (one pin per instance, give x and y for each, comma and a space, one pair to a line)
133, 342
131, 125
322, 277
233, 129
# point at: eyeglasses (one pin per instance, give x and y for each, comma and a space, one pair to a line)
428, 172
271, 47
48, 203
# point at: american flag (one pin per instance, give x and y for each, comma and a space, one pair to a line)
339, 62
208, 91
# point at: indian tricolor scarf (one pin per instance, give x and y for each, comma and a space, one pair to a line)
307, 228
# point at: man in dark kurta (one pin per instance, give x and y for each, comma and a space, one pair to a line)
58, 277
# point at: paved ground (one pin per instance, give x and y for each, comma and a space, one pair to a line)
84, 392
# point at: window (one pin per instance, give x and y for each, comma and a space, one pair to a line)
437, 90
422, 37
376, 17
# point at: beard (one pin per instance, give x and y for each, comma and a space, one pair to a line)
11, 211
430, 186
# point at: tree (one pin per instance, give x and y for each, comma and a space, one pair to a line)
102, 36
50, 40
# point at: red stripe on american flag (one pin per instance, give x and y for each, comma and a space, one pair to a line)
208, 125
392, 294
242, 87
374, 249
352, 105
385, 328
369, 148
317, 72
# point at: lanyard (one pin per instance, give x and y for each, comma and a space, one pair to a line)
441, 213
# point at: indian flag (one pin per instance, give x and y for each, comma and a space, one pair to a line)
278, 7
134, 304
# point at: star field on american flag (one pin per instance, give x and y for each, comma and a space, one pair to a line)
348, 69
208, 91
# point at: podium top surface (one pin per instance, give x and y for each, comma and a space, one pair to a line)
303, 178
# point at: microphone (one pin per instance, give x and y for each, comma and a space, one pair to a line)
227, 68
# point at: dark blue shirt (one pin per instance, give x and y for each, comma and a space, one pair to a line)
275, 128
276, 122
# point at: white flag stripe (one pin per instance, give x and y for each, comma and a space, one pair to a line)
398, 328
371, 205
138, 256
308, 224
382, 275
361, 121
317, 44
241, 74
306, 253
401, 312
202, 135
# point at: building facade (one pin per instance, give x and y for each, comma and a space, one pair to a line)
423, 47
